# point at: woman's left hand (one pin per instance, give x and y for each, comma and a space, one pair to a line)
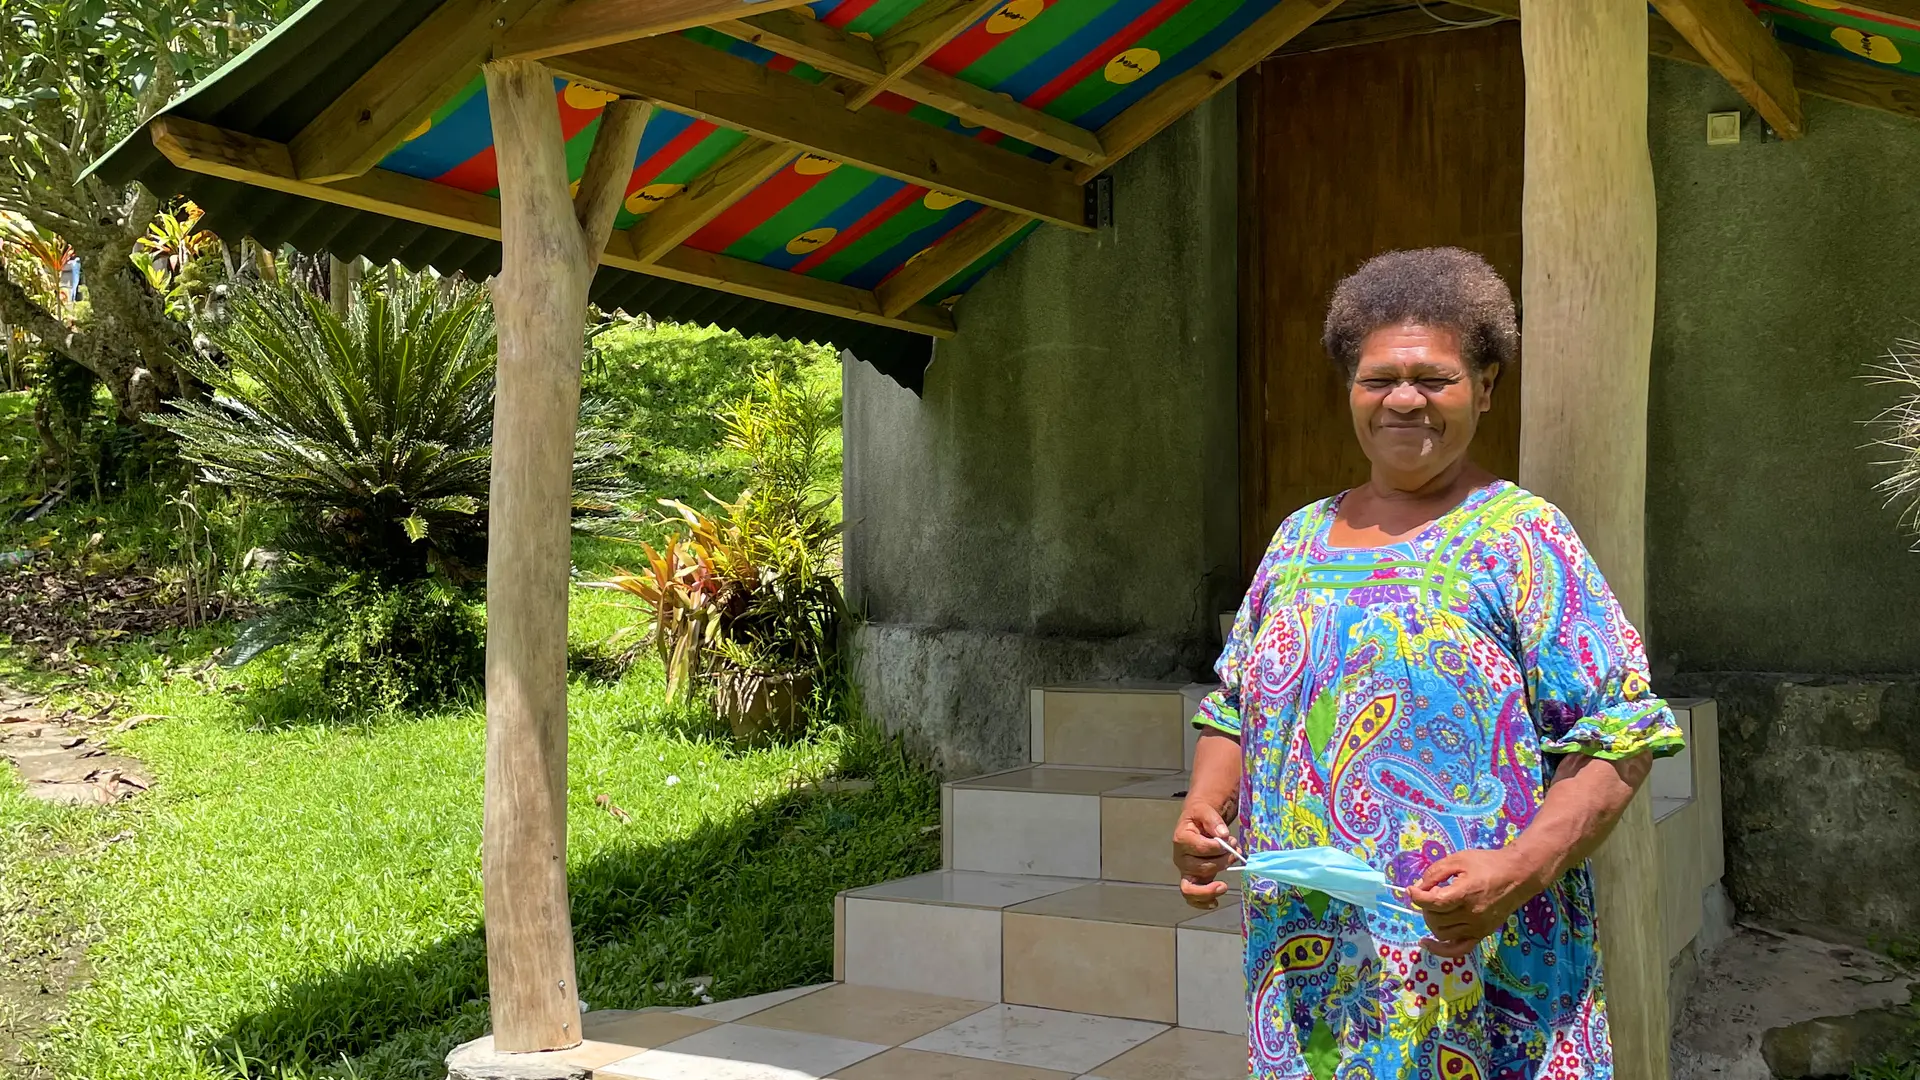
1470, 895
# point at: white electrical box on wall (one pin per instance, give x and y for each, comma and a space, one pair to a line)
1723, 129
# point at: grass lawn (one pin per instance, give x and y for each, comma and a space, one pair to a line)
301, 899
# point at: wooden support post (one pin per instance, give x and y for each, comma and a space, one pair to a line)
550, 248
1587, 289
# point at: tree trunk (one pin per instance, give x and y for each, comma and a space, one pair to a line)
1588, 291
550, 250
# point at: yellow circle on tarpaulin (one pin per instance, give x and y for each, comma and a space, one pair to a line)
425, 126
814, 165
587, 98
862, 35
1829, 5
941, 200
812, 240
1132, 64
644, 200
1013, 15
573, 189
1872, 46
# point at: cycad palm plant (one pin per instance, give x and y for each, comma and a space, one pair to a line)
1900, 431
373, 433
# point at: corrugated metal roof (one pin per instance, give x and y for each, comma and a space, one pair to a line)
285, 80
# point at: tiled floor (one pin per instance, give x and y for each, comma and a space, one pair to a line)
858, 1033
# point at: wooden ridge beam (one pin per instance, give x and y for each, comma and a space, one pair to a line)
959, 249
671, 223
564, 26
692, 78
1184, 92
916, 37
213, 151
1745, 53
813, 42
1819, 74
401, 91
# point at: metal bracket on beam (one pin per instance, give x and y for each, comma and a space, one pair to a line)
1099, 202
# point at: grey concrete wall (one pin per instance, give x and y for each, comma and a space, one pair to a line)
1785, 270
1063, 501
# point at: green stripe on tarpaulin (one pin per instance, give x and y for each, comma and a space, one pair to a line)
953, 285
803, 214
1034, 40
465, 95
1168, 40
1884, 44
904, 223
882, 16
690, 165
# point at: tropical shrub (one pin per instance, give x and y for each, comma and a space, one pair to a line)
1899, 426
372, 434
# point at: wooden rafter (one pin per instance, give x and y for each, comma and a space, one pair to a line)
1744, 52
564, 26
1120, 137
671, 223
692, 78
1816, 73
916, 37
857, 60
213, 151
402, 90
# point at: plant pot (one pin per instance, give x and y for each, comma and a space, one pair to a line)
760, 706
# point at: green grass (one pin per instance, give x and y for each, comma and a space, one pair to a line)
297, 898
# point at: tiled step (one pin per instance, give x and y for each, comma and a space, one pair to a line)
1108, 948
1065, 822
842, 1032
1110, 725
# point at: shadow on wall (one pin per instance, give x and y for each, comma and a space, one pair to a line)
1820, 790
747, 902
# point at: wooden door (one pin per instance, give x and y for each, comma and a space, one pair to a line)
1344, 154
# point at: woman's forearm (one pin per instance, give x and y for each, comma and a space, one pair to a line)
1216, 775
1587, 797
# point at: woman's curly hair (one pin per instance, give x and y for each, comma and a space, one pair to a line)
1442, 286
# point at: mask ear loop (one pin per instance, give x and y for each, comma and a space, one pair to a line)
1231, 850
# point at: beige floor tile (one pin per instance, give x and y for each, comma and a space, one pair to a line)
961, 888
644, 1031
592, 1053
1026, 832
1119, 730
867, 1014
904, 1064
1087, 966
723, 1011
1041, 1038
1059, 780
1110, 901
927, 948
1136, 839
1225, 919
1212, 981
743, 1052
1160, 787
1180, 1054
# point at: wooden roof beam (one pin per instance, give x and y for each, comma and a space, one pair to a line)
1745, 53
401, 91
857, 60
1121, 136
692, 78
213, 151
563, 26
674, 221
916, 37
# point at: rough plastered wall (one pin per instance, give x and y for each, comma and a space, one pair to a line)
1778, 584
1062, 503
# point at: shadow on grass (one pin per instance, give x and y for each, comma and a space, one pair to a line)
744, 905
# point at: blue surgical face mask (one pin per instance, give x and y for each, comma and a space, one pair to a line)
1331, 871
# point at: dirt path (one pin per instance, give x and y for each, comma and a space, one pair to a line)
59, 758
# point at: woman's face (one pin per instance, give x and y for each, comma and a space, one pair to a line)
1416, 402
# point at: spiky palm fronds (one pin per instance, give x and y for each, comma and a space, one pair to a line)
1899, 426
375, 429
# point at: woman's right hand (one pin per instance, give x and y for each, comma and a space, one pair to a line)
1199, 853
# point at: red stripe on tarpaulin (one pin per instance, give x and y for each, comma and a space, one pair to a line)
481, 172
868, 222
847, 12
1120, 42
956, 55
662, 160
754, 208
1881, 17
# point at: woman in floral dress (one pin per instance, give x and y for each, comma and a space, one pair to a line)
1430, 673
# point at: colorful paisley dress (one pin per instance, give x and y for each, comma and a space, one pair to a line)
1400, 703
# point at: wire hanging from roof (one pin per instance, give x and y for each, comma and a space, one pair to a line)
1439, 18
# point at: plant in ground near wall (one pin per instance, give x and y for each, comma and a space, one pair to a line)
373, 433
1900, 431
